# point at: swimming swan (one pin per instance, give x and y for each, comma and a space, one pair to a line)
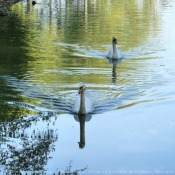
82, 104
114, 53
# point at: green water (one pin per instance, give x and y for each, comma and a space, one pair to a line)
48, 51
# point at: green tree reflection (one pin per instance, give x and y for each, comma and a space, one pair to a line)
34, 149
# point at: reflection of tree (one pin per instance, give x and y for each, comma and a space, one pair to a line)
13, 61
68, 170
30, 153
11, 112
11, 50
34, 150
77, 22
32, 157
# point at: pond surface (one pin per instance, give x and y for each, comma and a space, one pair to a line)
48, 50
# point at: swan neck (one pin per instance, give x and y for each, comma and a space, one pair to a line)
82, 103
115, 50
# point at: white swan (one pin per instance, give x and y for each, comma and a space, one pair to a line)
114, 53
82, 104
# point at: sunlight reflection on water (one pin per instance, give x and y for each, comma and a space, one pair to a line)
55, 49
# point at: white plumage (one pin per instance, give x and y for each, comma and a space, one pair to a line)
82, 104
114, 53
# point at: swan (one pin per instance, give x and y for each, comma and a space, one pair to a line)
114, 53
82, 104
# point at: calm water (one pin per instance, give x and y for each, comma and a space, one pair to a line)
48, 51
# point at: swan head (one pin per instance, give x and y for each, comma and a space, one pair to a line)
81, 89
114, 40
81, 145
33, 3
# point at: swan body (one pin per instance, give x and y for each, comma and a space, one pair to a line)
114, 53
82, 104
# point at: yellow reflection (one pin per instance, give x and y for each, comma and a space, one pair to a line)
57, 31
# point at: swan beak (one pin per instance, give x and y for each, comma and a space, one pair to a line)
80, 91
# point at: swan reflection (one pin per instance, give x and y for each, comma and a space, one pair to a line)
114, 62
82, 118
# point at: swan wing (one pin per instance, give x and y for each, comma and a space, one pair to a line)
76, 105
88, 105
119, 53
110, 54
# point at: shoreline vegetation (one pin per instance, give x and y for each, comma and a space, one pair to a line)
5, 4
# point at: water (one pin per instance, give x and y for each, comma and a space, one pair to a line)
48, 51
